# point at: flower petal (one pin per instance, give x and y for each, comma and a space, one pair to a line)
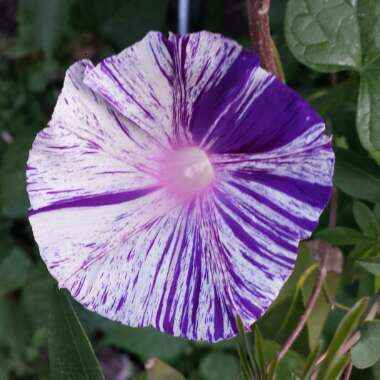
138, 83
157, 81
109, 230
89, 150
249, 110
266, 203
201, 61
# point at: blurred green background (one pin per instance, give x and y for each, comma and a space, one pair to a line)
39, 39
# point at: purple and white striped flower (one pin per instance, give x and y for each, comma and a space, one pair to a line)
174, 184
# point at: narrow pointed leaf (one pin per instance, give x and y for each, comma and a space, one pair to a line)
272, 369
366, 219
310, 363
322, 308
246, 349
341, 236
357, 175
371, 264
259, 351
71, 356
337, 368
348, 324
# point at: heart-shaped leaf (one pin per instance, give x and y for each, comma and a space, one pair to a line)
336, 35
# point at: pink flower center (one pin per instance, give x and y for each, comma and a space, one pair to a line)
187, 171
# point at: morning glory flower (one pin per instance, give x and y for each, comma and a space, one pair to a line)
174, 183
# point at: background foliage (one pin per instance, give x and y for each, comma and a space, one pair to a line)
330, 51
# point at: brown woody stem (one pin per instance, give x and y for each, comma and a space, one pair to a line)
258, 18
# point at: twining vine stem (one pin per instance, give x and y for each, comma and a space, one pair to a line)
259, 28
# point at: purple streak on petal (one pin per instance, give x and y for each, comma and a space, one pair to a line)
301, 222
96, 200
212, 103
89, 149
249, 111
260, 227
130, 252
200, 62
314, 194
250, 242
104, 67
138, 83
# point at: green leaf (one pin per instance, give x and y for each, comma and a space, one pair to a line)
272, 369
259, 351
334, 35
71, 356
368, 109
158, 370
361, 250
322, 308
292, 364
146, 342
367, 351
366, 220
220, 366
371, 264
357, 175
324, 35
348, 324
311, 363
368, 113
14, 270
337, 368
340, 236
246, 352
339, 35
42, 24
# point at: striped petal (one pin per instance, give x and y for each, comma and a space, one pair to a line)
266, 203
157, 82
201, 62
249, 111
138, 83
191, 271
89, 150
168, 275
174, 183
